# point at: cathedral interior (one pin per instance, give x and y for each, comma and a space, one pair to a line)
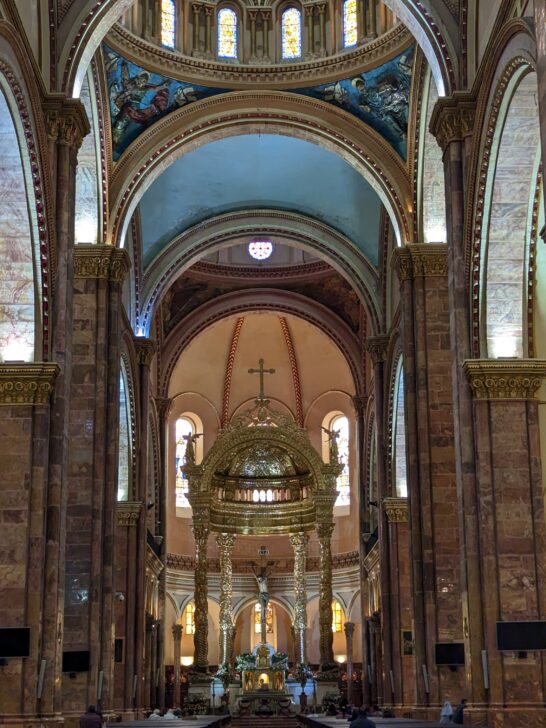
272, 358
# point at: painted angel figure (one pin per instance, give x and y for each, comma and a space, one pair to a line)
332, 439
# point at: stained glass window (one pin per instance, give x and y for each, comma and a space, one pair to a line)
260, 249
341, 424
184, 427
399, 437
350, 23
258, 618
124, 444
227, 33
291, 33
168, 23
190, 619
337, 616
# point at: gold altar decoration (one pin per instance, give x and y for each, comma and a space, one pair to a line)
200, 638
225, 542
299, 543
326, 596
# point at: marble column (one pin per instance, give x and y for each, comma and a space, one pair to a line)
163, 405
200, 660
208, 29
377, 348
145, 351
225, 542
324, 531
298, 542
66, 125
177, 641
349, 629
252, 15
310, 15
321, 7
452, 123
266, 17
196, 8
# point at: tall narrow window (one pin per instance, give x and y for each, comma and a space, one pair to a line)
291, 34
168, 23
184, 428
227, 33
258, 618
337, 616
124, 441
399, 436
350, 23
341, 425
190, 619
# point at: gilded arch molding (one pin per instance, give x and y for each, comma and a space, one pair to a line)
260, 112
289, 228
240, 302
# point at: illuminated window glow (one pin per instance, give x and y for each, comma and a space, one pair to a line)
399, 436
168, 23
258, 618
124, 442
227, 33
337, 616
341, 423
260, 249
189, 627
350, 23
291, 33
184, 427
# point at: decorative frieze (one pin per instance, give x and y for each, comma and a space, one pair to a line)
27, 384
513, 379
128, 513
396, 509
453, 119
66, 120
101, 261
420, 260
377, 347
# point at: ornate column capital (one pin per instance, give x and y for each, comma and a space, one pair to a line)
396, 509
177, 631
208, 9
200, 533
101, 261
128, 512
420, 260
163, 405
453, 118
504, 379
359, 403
349, 629
30, 384
299, 541
225, 541
66, 120
145, 350
377, 347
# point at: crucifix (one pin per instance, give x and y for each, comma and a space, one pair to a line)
261, 371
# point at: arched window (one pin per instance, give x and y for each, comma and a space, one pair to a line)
88, 188
189, 620
399, 436
337, 616
227, 33
258, 618
291, 34
350, 23
184, 428
372, 481
124, 442
341, 424
168, 23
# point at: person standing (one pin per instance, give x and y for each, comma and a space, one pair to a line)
91, 719
447, 713
458, 716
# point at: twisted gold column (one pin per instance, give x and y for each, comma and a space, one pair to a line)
299, 543
225, 543
201, 534
325, 596
177, 640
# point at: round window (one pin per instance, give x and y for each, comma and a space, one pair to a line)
260, 249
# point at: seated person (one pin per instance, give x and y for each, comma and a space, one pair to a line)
155, 714
362, 720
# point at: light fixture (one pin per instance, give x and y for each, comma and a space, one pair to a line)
341, 659
186, 660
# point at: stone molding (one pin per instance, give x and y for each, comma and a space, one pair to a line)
66, 120
504, 379
27, 384
145, 350
396, 509
377, 347
101, 261
420, 260
371, 561
163, 406
128, 512
153, 562
453, 118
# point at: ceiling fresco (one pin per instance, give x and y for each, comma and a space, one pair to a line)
139, 98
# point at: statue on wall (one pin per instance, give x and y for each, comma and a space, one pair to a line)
332, 440
190, 447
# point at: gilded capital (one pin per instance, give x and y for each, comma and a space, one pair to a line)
420, 260
325, 530
453, 119
66, 120
145, 350
30, 384
505, 379
396, 509
128, 512
225, 542
200, 534
101, 261
298, 541
377, 347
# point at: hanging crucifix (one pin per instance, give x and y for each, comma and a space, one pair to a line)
261, 371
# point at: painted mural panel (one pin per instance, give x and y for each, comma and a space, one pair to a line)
379, 97
139, 98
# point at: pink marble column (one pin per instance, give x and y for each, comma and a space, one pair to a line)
66, 126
